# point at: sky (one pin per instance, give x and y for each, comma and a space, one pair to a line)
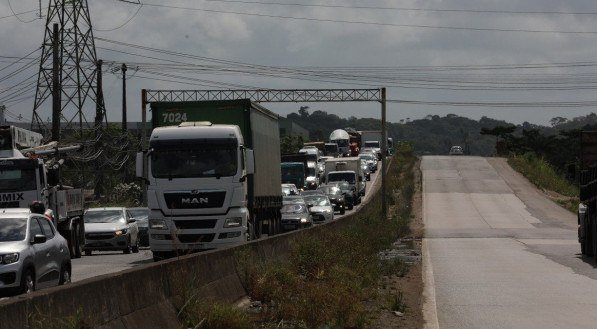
510, 60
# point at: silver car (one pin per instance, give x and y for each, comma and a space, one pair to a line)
295, 213
33, 255
111, 228
320, 207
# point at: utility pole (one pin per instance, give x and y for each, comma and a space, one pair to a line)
2, 117
123, 69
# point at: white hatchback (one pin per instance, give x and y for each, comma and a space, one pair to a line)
33, 255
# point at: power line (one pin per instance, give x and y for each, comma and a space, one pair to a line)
123, 24
478, 29
543, 12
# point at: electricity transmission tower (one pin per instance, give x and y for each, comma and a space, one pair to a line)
70, 44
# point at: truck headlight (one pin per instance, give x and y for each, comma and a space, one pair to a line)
9, 258
157, 224
233, 222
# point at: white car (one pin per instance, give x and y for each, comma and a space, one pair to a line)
456, 150
33, 255
111, 228
320, 207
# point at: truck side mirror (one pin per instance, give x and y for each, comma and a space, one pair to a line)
250, 159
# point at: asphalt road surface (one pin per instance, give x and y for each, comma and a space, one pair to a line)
498, 254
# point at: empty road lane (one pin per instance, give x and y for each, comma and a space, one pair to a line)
499, 254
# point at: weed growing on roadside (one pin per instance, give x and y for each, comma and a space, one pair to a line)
42, 321
396, 302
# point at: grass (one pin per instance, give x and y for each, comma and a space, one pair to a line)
545, 177
329, 275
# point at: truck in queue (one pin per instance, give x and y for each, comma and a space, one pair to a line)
212, 173
342, 139
300, 178
27, 180
346, 169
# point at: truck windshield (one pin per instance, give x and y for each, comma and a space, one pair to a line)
372, 144
341, 142
14, 179
205, 161
342, 176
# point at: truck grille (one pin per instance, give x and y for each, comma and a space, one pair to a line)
194, 200
195, 224
193, 238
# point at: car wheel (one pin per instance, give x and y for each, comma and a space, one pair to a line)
350, 206
77, 241
28, 282
136, 246
65, 273
127, 249
87, 252
342, 210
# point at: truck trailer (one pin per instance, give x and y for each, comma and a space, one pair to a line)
212, 174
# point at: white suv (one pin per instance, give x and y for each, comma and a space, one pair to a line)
33, 255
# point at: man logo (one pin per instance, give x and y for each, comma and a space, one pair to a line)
194, 201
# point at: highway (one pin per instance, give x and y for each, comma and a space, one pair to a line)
100, 263
497, 253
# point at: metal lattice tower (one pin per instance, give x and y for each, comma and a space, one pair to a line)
78, 70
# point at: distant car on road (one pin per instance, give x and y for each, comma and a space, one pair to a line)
33, 255
295, 213
320, 207
456, 150
141, 216
111, 228
289, 189
336, 197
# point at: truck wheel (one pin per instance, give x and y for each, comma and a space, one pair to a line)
87, 252
257, 227
77, 241
586, 246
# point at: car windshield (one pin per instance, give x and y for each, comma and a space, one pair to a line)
13, 229
104, 216
344, 185
293, 208
140, 215
329, 189
317, 200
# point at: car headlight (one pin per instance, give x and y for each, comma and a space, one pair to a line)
233, 222
326, 211
303, 220
9, 258
157, 224
120, 232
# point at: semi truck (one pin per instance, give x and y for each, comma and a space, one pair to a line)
212, 173
25, 180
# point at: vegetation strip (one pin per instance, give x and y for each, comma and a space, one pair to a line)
544, 176
329, 278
